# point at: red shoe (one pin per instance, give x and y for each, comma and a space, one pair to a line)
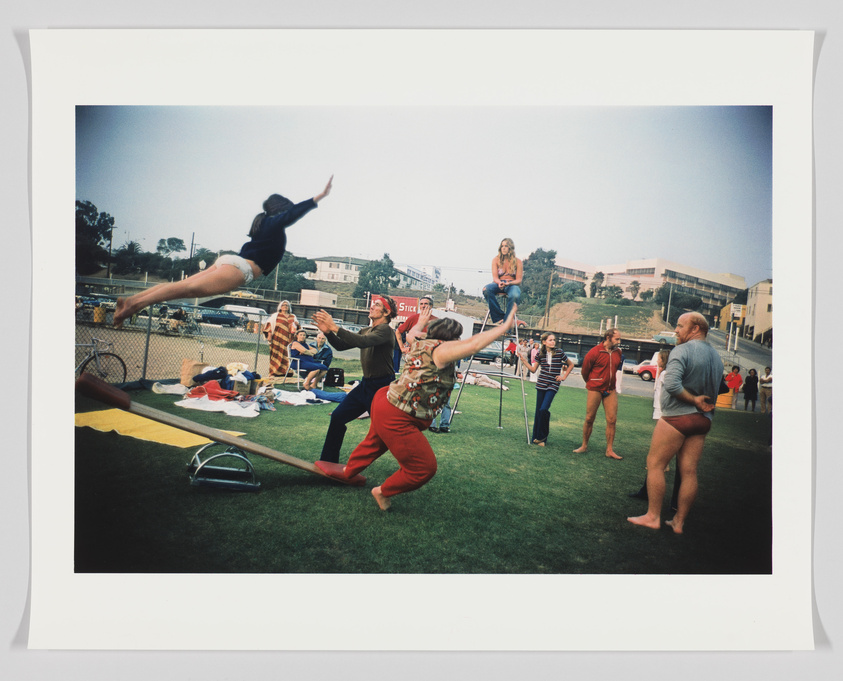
336, 471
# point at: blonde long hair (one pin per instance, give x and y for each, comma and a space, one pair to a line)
510, 258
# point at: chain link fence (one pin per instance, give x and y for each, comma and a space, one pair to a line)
154, 346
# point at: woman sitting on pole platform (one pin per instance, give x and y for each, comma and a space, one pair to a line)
260, 255
403, 410
507, 273
551, 362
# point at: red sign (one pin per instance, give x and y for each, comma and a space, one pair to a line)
406, 306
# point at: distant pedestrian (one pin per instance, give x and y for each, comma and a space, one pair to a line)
734, 382
765, 384
750, 390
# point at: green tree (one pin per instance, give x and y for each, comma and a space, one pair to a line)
633, 289
573, 289
596, 283
679, 302
611, 292
539, 267
647, 295
128, 258
167, 247
93, 236
376, 276
289, 275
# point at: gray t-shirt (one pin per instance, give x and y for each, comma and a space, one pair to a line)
695, 366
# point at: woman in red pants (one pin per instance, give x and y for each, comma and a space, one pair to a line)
403, 410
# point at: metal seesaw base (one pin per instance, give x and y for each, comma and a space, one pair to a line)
239, 475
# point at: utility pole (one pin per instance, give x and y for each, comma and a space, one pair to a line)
669, 299
190, 258
547, 304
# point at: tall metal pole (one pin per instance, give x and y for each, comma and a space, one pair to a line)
547, 303
669, 299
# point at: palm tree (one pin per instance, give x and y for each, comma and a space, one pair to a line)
596, 283
633, 289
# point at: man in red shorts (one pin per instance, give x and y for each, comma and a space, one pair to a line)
691, 384
599, 369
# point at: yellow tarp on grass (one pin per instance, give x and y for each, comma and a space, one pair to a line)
132, 425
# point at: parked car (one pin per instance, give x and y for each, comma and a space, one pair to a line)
311, 329
574, 357
647, 372
243, 294
221, 317
630, 366
491, 353
668, 337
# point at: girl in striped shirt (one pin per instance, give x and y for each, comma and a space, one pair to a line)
551, 362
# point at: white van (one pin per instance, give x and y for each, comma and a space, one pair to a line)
253, 314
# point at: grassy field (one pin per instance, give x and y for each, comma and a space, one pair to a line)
496, 505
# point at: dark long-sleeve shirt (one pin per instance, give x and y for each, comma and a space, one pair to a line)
375, 343
267, 247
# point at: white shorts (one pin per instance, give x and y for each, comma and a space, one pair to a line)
241, 264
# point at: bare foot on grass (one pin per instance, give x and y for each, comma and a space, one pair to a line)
674, 525
383, 501
612, 455
581, 450
646, 521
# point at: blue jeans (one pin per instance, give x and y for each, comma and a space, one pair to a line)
513, 297
541, 423
443, 418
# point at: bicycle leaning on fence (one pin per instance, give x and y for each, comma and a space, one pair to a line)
102, 363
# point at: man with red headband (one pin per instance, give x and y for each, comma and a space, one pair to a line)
376, 343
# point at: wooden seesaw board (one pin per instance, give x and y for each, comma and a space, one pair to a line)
93, 387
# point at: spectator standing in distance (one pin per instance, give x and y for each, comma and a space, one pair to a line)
750, 389
765, 384
507, 273
691, 384
599, 371
523, 359
278, 330
375, 342
734, 381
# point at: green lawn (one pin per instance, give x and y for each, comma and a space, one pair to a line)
496, 505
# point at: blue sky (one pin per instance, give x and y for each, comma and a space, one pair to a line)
443, 185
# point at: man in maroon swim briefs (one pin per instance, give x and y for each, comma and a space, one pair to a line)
691, 383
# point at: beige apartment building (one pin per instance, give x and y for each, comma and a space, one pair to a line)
759, 312
715, 289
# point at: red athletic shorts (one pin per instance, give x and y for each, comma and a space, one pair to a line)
690, 424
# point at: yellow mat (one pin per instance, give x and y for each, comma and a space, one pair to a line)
141, 428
